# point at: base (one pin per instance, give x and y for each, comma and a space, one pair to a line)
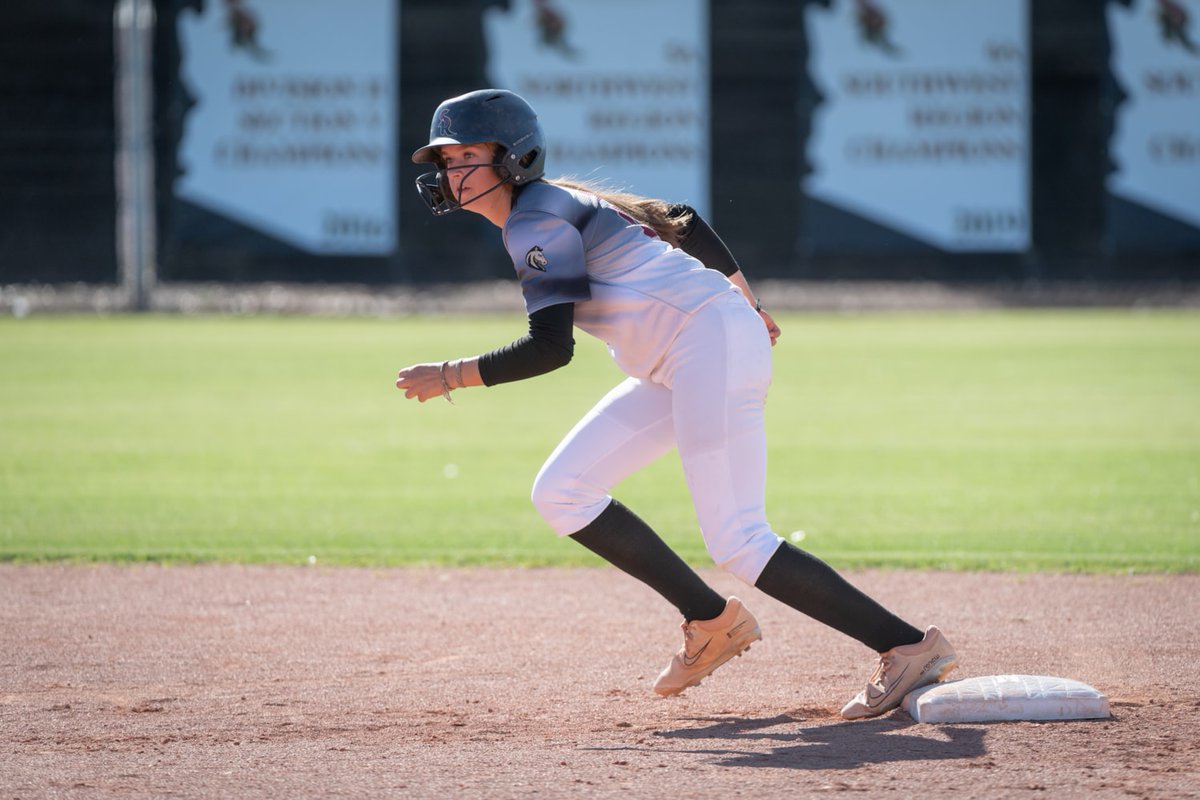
1006, 697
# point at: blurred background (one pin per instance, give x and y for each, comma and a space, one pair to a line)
151, 143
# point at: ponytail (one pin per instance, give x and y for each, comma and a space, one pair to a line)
671, 222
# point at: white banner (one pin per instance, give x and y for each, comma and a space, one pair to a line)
621, 87
294, 129
1156, 146
923, 125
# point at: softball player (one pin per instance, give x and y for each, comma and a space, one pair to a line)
655, 283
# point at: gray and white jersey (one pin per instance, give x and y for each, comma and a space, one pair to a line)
631, 290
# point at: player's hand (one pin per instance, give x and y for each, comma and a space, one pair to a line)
772, 328
421, 381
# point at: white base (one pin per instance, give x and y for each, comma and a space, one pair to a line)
1006, 697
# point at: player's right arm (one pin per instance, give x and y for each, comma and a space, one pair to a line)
701, 242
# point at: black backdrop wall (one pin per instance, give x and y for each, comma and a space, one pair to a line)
57, 193
57, 184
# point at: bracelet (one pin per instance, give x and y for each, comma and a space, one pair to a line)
458, 374
445, 385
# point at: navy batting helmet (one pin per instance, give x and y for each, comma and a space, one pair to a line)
484, 116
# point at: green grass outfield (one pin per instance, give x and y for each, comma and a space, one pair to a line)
1013, 440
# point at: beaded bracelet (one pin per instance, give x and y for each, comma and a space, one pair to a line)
445, 385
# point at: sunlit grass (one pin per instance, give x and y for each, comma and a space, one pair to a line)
1031, 440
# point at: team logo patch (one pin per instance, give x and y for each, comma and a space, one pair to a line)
536, 259
445, 125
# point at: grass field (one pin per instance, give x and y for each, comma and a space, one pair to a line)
1015, 440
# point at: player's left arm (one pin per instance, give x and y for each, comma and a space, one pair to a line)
549, 257
701, 242
548, 346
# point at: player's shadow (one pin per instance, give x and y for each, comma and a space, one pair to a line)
844, 745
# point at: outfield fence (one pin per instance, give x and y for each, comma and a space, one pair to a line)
173, 154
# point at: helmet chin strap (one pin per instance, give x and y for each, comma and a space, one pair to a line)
470, 171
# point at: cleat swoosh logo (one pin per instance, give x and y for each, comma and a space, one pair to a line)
875, 697
690, 661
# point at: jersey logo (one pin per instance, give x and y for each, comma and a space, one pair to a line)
536, 259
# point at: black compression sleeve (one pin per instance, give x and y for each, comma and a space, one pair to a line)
548, 346
621, 538
812, 587
701, 242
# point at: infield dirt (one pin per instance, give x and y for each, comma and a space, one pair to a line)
282, 682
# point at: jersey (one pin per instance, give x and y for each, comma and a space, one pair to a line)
631, 289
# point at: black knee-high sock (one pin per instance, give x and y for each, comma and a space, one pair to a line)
812, 587
621, 538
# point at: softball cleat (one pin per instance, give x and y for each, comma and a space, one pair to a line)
901, 670
707, 644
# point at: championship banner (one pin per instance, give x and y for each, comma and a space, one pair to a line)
294, 126
1155, 148
920, 134
621, 87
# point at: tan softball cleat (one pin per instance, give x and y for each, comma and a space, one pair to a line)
707, 644
901, 670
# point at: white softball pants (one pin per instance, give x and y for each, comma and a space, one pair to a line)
707, 400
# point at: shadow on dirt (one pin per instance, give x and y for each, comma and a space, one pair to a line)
843, 745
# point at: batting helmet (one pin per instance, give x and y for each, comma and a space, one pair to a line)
487, 115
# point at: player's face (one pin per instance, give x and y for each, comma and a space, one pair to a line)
471, 175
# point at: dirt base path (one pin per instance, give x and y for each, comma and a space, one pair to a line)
257, 682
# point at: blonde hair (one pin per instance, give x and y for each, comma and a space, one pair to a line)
669, 221
666, 219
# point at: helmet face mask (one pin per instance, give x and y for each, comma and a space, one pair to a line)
489, 116
434, 188
437, 188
